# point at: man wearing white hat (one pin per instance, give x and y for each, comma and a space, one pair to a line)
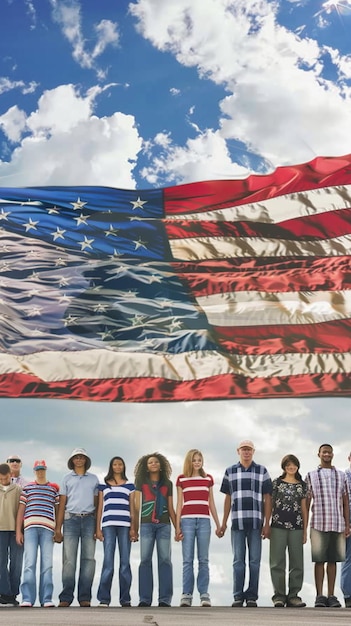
248, 496
76, 512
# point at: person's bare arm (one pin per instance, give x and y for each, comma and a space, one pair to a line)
19, 524
58, 536
226, 511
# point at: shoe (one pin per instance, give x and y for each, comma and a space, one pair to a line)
144, 604
296, 602
205, 601
251, 604
186, 600
321, 601
237, 603
26, 604
164, 604
84, 604
63, 604
9, 600
103, 605
333, 602
48, 605
347, 603
279, 603
126, 604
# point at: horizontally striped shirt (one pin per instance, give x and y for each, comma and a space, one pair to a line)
116, 504
246, 487
326, 487
40, 502
196, 491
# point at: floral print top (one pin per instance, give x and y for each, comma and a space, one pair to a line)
286, 504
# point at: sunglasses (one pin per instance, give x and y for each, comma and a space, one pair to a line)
13, 460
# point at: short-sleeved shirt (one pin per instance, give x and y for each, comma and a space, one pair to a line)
154, 496
116, 504
246, 487
39, 501
327, 487
286, 504
80, 490
196, 490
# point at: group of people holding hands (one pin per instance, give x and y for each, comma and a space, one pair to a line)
34, 515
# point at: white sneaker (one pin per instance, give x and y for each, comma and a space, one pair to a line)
206, 602
186, 600
26, 604
48, 605
103, 605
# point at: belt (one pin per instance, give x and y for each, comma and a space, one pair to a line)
81, 514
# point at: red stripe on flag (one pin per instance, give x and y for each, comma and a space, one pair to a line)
307, 274
215, 194
320, 338
226, 386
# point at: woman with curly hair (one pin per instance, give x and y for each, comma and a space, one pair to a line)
154, 506
195, 504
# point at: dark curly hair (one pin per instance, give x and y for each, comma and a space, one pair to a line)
141, 473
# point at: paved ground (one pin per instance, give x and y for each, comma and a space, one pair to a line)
222, 616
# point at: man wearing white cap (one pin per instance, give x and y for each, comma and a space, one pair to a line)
248, 496
77, 504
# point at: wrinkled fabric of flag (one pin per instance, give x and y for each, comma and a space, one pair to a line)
212, 290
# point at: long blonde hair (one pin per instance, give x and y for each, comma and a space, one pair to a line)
188, 463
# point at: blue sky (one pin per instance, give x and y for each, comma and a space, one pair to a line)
154, 93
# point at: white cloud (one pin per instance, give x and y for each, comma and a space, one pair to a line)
203, 158
174, 91
63, 142
67, 13
278, 103
6, 84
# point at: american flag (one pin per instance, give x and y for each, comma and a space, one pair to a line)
216, 289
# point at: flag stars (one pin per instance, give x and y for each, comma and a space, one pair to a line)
78, 205
137, 320
34, 311
100, 308
111, 231
115, 255
137, 204
64, 299
63, 281
107, 334
58, 234
175, 324
82, 219
140, 244
53, 211
4, 214
71, 319
86, 243
31, 225
60, 262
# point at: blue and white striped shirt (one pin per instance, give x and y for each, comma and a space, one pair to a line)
116, 504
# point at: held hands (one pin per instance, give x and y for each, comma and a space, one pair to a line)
220, 531
266, 532
19, 538
133, 535
58, 536
178, 535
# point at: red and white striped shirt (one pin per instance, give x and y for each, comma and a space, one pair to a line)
196, 491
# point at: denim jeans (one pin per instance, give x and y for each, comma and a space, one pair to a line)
345, 575
37, 537
196, 529
241, 538
78, 528
161, 534
11, 556
111, 535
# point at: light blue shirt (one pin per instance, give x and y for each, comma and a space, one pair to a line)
80, 490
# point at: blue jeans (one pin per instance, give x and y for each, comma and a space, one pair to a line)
78, 528
196, 529
241, 538
11, 555
111, 535
161, 533
345, 575
37, 537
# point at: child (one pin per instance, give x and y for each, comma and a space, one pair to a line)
37, 510
195, 502
154, 497
11, 554
288, 531
115, 521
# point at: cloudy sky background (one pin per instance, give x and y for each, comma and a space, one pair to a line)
153, 93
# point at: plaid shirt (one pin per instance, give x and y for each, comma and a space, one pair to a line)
326, 487
246, 487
